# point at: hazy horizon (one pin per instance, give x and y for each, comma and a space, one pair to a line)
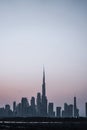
49, 32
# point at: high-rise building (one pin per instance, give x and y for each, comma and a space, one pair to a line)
33, 107
44, 84
44, 98
2, 112
8, 111
86, 109
65, 111
25, 106
51, 110
39, 105
7, 107
58, 112
19, 110
76, 110
14, 106
75, 107
68, 110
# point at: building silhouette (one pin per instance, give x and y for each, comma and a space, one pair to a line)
58, 112
86, 109
51, 112
33, 107
68, 110
8, 111
76, 110
44, 98
2, 112
24, 107
14, 106
40, 107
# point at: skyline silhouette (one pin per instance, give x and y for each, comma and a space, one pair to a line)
41, 107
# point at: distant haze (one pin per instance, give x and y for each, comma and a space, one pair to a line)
49, 32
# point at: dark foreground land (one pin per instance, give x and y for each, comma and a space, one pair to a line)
43, 123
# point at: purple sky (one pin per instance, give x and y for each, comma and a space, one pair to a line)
49, 32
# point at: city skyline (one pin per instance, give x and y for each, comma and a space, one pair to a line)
49, 32
41, 107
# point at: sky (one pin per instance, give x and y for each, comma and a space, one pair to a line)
52, 33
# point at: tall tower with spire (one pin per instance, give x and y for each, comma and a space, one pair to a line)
44, 85
44, 98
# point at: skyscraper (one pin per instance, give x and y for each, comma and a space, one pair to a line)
44, 98
58, 112
14, 105
8, 111
51, 112
39, 105
25, 106
14, 108
76, 110
33, 107
86, 109
19, 110
68, 110
43, 85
